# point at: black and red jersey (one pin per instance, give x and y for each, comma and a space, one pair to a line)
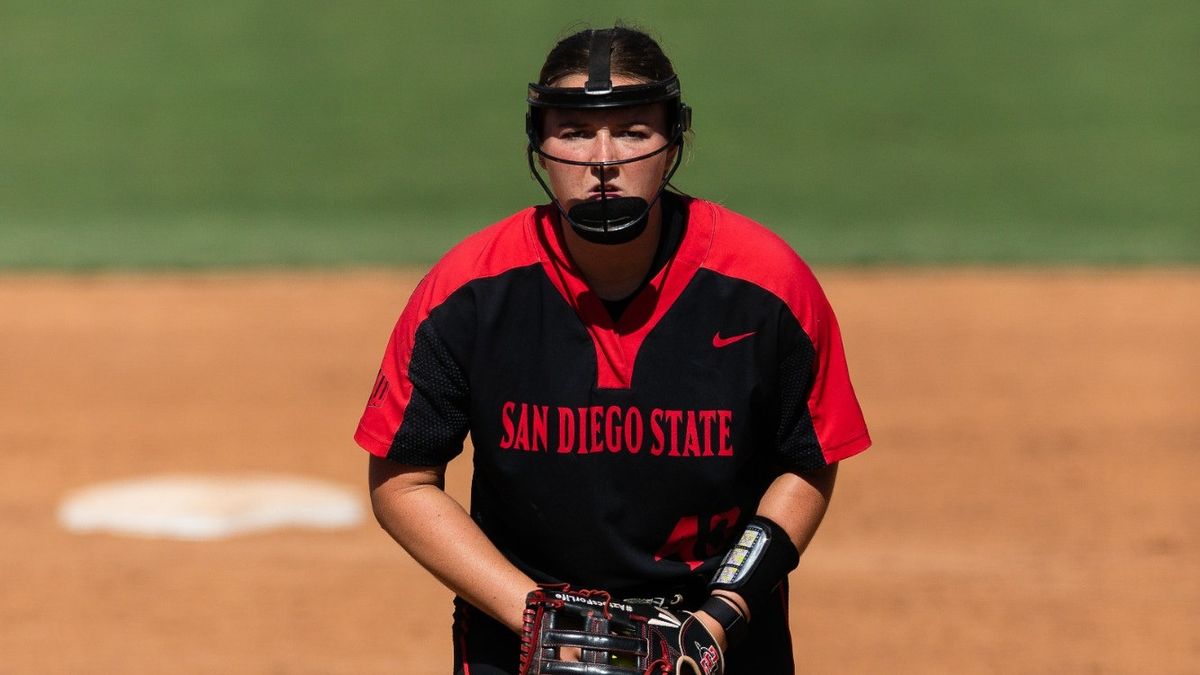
617, 453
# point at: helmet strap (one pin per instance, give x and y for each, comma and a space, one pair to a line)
599, 63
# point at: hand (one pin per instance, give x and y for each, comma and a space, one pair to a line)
585, 631
695, 642
714, 629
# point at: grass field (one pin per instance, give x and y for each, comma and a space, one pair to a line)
143, 134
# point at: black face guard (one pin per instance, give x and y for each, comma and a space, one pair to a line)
615, 220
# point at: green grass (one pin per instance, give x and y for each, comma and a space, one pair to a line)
144, 134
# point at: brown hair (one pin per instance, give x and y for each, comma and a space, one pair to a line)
634, 54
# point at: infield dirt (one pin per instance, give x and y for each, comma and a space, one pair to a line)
1030, 504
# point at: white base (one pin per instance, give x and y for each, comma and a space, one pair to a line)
209, 507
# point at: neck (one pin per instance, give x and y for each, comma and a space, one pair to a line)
616, 271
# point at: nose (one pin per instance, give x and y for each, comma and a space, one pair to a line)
603, 150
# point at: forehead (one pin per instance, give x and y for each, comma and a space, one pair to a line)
579, 79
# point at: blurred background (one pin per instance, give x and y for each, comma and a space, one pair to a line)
211, 214
138, 133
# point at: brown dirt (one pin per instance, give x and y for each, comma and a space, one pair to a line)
1030, 504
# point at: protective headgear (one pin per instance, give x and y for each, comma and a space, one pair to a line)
615, 220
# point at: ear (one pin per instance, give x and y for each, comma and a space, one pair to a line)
670, 160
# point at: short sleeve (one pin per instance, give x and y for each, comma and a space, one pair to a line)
417, 410
820, 421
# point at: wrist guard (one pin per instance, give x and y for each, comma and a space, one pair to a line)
729, 616
757, 563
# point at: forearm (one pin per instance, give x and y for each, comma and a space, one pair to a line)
442, 537
797, 503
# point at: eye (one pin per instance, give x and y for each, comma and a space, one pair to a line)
636, 133
570, 133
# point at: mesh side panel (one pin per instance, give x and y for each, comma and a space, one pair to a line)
435, 421
798, 445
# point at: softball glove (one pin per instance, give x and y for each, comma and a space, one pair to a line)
586, 632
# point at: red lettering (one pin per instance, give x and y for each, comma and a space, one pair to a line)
707, 417
726, 424
595, 429
674, 417
656, 448
583, 431
596, 412
681, 543
505, 411
720, 528
541, 415
522, 442
612, 429
566, 430
699, 536
691, 438
633, 425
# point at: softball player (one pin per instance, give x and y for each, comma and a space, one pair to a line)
655, 389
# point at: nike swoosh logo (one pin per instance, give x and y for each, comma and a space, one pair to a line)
719, 341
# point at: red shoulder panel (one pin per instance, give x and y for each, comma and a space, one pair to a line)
492, 251
744, 249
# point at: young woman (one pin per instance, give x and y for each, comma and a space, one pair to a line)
654, 386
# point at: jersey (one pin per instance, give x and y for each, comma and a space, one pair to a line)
626, 452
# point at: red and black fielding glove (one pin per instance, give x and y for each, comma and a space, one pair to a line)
612, 638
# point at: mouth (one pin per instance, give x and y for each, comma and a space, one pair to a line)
609, 193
